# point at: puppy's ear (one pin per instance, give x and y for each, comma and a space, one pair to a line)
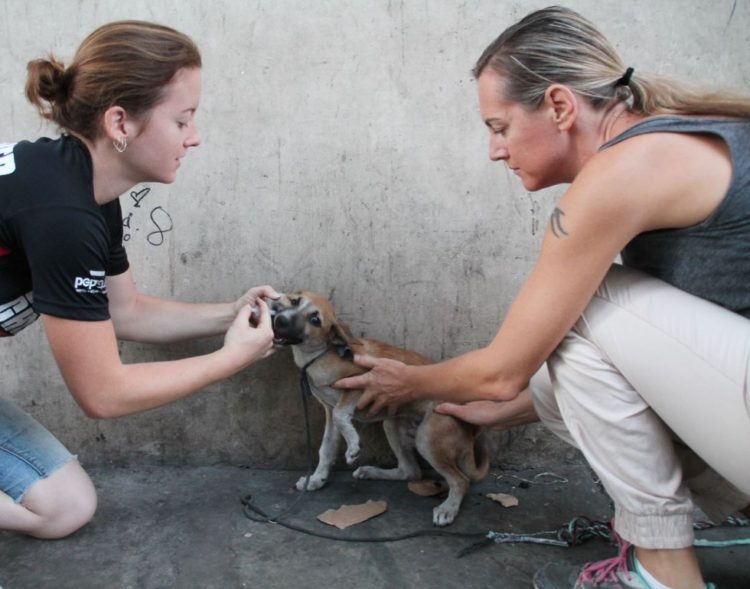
341, 334
343, 340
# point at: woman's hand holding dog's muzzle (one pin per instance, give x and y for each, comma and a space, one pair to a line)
252, 296
250, 340
384, 385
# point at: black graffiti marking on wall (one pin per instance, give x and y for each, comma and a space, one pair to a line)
159, 223
126, 224
163, 222
139, 195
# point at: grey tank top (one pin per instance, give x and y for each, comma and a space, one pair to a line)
711, 259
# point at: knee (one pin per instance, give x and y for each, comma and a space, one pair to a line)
66, 517
546, 404
62, 504
78, 512
543, 396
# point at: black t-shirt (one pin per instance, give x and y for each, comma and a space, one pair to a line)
56, 243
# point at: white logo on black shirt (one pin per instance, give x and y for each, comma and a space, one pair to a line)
7, 160
92, 284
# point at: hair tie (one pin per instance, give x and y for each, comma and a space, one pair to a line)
625, 79
63, 88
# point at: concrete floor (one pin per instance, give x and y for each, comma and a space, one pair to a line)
161, 527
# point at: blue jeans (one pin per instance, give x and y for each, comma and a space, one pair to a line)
28, 452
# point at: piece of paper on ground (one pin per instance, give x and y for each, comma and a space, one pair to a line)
503, 499
349, 515
427, 488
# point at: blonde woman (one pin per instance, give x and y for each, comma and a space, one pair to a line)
649, 359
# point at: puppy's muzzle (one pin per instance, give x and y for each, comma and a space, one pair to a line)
285, 332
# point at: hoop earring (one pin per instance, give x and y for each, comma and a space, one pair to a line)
121, 144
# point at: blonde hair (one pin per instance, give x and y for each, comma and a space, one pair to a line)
556, 45
124, 63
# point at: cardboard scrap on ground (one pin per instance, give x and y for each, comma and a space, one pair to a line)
427, 488
349, 515
503, 499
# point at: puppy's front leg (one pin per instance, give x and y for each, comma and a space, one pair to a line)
329, 448
342, 417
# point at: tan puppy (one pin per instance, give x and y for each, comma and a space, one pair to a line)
307, 322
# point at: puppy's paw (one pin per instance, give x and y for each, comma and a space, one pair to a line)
365, 472
313, 484
352, 455
443, 515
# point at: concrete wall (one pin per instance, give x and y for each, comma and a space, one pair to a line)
342, 152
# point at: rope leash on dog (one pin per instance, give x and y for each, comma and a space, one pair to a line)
247, 503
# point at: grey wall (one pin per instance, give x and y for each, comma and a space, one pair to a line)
342, 152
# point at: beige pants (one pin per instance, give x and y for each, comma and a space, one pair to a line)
652, 385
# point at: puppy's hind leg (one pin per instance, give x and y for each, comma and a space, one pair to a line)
329, 448
440, 443
401, 441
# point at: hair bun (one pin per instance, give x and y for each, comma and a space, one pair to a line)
50, 78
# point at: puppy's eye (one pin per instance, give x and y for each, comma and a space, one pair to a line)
315, 319
294, 302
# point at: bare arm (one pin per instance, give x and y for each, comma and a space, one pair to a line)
87, 355
142, 318
553, 297
642, 184
499, 415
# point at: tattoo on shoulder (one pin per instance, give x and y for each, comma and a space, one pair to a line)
556, 223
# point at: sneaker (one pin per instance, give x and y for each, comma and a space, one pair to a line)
614, 573
619, 572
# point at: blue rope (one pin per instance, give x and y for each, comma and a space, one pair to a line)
732, 520
582, 529
720, 543
506, 537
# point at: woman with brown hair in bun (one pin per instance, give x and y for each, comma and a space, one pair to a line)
126, 106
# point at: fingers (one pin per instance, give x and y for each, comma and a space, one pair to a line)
382, 385
467, 413
264, 315
250, 335
255, 294
378, 403
482, 413
244, 314
367, 398
361, 380
365, 361
448, 409
353, 382
265, 292
376, 406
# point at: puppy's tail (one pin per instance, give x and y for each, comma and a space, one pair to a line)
476, 464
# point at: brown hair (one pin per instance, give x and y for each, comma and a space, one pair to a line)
556, 45
124, 63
